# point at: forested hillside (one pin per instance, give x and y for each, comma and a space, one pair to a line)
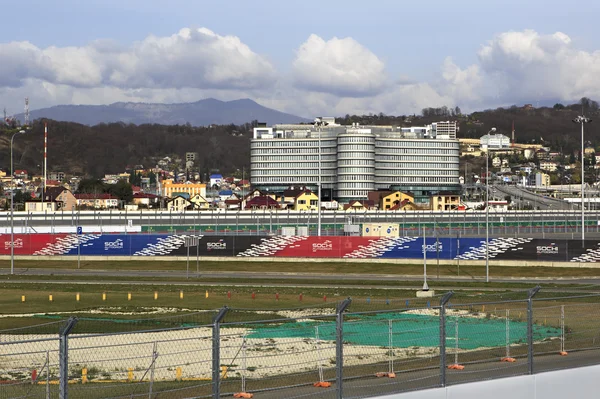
109, 148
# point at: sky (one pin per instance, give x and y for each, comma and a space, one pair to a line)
309, 58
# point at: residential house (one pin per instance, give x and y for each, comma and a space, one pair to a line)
52, 183
224, 194
289, 195
589, 151
360, 205
64, 198
199, 202
39, 206
542, 154
262, 202
21, 174
306, 201
404, 205
169, 188
114, 179
97, 201
60, 176
542, 180
216, 179
179, 204
146, 200
445, 202
548, 166
389, 199
259, 193
234, 201
496, 162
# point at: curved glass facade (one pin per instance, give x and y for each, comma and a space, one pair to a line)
355, 160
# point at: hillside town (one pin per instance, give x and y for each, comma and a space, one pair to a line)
174, 182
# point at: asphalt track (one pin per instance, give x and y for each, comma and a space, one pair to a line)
369, 386
287, 279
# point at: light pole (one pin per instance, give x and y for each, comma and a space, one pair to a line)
582, 120
318, 124
487, 209
12, 199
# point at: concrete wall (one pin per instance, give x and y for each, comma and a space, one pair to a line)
580, 383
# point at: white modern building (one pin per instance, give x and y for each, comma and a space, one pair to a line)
356, 159
494, 142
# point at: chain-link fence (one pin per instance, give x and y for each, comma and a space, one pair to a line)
358, 348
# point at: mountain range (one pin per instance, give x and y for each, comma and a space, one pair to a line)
200, 113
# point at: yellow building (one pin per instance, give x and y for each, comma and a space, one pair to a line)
168, 188
395, 198
390, 199
199, 202
445, 202
305, 201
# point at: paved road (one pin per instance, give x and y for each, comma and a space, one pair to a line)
370, 386
535, 200
286, 278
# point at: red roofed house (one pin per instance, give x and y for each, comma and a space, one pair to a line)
234, 201
21, 173
52, 183
262, 202
136, 189
97, 201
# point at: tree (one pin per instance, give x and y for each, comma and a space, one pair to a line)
122, 190
91, 186
558, 106
571, 158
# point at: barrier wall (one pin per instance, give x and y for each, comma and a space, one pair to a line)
505, 248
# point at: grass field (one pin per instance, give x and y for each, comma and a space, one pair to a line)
270, 293
308, 267
105, 307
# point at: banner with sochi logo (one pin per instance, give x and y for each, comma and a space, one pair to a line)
350, 247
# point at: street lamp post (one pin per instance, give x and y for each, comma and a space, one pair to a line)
582, 120
487, 209
319, 189
12, 198
318, 124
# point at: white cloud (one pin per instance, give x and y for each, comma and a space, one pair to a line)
338, 66
192, 58
527, 65
328, 77
462, 85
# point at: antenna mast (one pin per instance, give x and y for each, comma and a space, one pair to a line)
513, 133
27, 111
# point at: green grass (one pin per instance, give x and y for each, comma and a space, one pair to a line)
333, 267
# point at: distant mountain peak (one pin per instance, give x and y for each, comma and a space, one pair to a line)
208, 111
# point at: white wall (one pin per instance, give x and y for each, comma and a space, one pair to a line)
582, 382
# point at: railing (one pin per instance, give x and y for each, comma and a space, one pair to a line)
544, 224
356, 348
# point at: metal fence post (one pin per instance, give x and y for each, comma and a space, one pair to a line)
530, 294
216, 352
443, 301
339, 347
63, 357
